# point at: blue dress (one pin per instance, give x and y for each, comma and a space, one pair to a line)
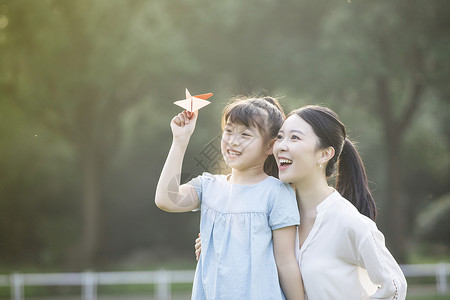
237, 260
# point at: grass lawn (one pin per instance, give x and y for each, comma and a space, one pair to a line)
429, 297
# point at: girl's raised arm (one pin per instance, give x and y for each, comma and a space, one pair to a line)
170, 195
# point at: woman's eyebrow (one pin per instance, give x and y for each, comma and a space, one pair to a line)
294, 130
298, 131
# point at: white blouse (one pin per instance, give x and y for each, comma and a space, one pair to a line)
345, 257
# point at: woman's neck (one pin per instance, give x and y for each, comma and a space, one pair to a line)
247, 176
310, 195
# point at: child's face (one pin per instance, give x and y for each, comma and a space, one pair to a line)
244, 147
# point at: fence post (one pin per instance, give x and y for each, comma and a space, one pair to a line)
163, 288
441, 278
89, 286
17, 286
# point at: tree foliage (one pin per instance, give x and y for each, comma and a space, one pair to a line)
433, 222
85, 100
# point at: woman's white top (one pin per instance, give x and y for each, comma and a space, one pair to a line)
345, 257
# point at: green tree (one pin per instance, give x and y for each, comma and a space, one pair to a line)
76, 67
390, 54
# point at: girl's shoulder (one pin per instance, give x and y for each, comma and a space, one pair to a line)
209, 176
277, 183
275, 188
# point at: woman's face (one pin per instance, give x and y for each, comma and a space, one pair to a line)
296, 150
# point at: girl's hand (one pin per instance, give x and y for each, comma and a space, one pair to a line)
183, 125
198, 247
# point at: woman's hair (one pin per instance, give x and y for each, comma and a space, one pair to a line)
351, 179
265, 114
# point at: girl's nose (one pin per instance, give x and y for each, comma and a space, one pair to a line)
234, 140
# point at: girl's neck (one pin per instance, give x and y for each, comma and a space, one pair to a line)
247, 176
310, 195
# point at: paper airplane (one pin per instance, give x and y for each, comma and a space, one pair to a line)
193, 103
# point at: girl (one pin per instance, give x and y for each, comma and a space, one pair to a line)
338, 243
248, 218
340, 251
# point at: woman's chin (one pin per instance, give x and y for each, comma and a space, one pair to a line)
285, 177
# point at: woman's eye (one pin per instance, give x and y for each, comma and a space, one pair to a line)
279, 137
246, 134
294, 137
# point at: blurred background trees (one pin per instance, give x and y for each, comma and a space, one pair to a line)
86, 92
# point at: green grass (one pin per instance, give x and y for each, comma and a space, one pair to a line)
428, 297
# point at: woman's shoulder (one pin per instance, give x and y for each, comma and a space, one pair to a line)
351, 219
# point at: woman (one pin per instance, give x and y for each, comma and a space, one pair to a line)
340, 251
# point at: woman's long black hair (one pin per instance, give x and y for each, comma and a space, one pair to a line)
351, 179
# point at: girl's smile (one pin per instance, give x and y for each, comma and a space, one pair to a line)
233, 153
242, 146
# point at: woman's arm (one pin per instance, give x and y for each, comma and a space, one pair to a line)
288, 269
170, 195
382, 268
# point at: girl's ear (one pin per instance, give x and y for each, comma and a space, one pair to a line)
270, 146
325, 155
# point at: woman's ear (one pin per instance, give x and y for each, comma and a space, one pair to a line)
325, 155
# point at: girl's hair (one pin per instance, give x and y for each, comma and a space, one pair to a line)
351, 179
265, 114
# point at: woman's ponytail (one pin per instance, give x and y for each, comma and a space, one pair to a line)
351, 180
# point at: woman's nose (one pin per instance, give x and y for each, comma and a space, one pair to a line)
281, 145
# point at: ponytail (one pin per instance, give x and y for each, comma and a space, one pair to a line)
351, 181
270, 166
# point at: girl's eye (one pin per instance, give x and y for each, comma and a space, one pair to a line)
279, 137
246, 134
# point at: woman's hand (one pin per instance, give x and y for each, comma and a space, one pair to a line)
198, 247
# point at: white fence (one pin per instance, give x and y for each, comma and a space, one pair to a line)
89, 281
163, 279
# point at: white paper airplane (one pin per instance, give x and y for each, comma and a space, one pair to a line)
193, 103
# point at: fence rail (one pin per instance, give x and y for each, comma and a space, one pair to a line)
163, 279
